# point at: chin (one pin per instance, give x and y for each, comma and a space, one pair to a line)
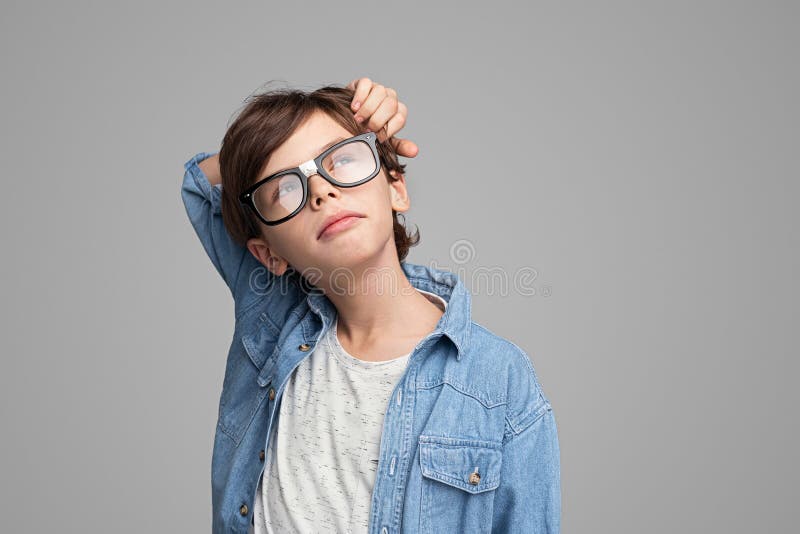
352, 251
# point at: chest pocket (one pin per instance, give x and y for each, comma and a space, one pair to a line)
459, 479
248, 371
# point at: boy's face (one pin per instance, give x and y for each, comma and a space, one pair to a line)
368, 240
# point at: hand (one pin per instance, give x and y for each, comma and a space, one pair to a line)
377, 106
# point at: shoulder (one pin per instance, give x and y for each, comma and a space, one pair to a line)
514, 370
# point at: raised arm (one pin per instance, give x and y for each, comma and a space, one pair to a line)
201, 193
210, 167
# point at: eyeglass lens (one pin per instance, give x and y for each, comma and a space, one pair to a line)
282, 195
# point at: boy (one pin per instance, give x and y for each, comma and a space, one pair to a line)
359, 396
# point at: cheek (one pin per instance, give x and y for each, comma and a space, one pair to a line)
379, 206
280, 238
377, 195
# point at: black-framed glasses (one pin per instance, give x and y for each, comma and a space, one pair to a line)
280, 196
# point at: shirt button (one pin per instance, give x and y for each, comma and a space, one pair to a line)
243, 510
474, 479
261, 455
271, 393
304, 347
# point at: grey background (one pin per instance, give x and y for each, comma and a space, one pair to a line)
650, 152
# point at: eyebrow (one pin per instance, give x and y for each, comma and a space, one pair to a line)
320, 150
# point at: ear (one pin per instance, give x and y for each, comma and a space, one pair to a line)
398, 192
261, 250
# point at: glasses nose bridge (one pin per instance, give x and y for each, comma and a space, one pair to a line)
308, 168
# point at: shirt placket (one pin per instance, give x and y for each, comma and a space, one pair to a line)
396, 448
304, 350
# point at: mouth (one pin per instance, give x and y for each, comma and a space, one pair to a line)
339, 221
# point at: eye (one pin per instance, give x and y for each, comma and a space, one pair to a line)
344, 160
284, 190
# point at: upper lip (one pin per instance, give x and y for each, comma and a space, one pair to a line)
335, 217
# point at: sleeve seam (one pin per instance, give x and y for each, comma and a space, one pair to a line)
523, 423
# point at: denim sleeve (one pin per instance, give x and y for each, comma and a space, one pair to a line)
202, 202
529, 496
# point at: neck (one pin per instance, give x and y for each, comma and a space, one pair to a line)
381, 315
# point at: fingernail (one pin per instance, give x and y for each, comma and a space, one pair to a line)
359, 118
356, 105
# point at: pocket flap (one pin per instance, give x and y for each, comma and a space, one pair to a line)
262, 348
467, 464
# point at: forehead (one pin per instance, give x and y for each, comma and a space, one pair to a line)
307, 142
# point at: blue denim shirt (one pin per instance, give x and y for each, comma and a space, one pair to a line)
469, 401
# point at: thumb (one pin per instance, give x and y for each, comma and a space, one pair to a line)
404, 147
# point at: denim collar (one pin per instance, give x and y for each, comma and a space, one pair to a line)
455, 323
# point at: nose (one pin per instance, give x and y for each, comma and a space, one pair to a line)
319, 188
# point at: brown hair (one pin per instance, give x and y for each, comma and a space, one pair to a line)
263, 124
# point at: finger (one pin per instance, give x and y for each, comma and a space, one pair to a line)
381, 117
397, 122
368, 106
362, 88
402, 109
387, 130
404, 147
381, 135
392, 126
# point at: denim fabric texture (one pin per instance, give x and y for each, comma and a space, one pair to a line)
469, 442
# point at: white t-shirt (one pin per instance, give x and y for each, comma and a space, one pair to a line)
323, 456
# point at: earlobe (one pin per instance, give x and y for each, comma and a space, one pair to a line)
276, 265
262, 252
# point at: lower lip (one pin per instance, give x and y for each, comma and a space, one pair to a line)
339, 226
